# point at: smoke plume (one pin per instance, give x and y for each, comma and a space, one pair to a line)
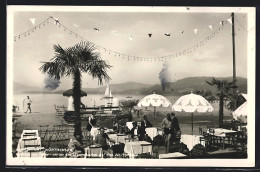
51, 84
165, 76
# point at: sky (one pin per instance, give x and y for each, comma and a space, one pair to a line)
127, 33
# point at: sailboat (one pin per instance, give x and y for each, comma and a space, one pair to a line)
108, 95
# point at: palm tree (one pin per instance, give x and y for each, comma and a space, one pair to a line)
223, 87
73, 61
128, 105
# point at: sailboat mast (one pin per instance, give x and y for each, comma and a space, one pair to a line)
234, 58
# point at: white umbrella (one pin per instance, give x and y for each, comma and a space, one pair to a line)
241, 112
154, 100
191, 103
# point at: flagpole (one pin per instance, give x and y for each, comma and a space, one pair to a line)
154, 116
192, 123
234, 59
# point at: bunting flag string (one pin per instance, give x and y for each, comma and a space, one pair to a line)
115, 54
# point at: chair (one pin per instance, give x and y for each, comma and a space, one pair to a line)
118, 149
241, 140
198, 151
94, 152
184, 149
157, 142
143, 154
31, 142
207, 138
44, 132
58, 109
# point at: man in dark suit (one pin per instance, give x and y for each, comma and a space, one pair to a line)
175, 128
144, 124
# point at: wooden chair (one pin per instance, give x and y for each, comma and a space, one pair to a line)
31, 142
241, 141
95, 152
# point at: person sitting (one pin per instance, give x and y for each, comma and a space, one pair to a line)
101, 140
76, 146
115, 125
147, 138
145, 123
132, 131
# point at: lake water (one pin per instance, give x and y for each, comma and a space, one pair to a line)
44, 104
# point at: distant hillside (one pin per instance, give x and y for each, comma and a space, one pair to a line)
186, 85
21, 88
124, 88
182, 86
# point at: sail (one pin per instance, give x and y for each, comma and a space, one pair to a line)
110, 93
107, 92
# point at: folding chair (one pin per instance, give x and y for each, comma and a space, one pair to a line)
58, 110
43, 132
56, 132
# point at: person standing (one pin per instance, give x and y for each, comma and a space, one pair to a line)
28, 102
71, 104
144, 124
166, 125
91, 123
175, 128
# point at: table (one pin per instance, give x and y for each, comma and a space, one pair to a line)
171, 155
29, 134
119, 138
191, 140
94, 132
152, 132
222, 133
23, 142
93, 151
135, 148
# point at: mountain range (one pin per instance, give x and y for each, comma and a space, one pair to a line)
179, 87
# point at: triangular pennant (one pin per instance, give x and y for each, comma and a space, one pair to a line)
56, 21
96, 29
229, 20
210, 26
150, 35
195, 31
32, 20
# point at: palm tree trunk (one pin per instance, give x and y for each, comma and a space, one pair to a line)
221, 113
76, 97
